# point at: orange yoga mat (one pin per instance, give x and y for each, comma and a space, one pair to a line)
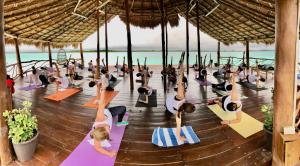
60, 95
109, 95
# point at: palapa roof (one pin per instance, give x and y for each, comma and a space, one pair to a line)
41, 21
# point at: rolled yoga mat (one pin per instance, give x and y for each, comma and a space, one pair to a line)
248, 125
61, 95
30, 87
166, 137
85, 154
152, 100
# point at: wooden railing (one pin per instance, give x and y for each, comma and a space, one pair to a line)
235, 61
12, 69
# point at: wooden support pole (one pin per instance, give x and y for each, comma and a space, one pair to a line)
219, 53
247, 54
187, 36
163, 43
167, 38
129, 49
198, 38
97, 76
286, 47
81, 54
5, 99
106, 40
49, 54
18, 57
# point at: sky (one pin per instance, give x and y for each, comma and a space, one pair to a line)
150, 39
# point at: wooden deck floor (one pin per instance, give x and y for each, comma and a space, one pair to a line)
63, 125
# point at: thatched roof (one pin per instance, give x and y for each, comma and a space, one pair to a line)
41, 21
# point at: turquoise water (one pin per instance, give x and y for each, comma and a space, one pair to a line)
153, 58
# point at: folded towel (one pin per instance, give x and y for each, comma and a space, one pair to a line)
166, 137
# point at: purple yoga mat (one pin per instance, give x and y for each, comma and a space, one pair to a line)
30, 87
85, 154
203, 83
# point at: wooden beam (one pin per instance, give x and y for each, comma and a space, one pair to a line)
198, 38
106, 40
162, 22
219, 53
97, 75
247, 54
286, 47
81, 54
167, 38
5, 99
129, 49
187, 36
49, 54
18, 57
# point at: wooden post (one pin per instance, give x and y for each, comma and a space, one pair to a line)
286, 47
187, 36
247, 54
97, 76
167, 38
5, 99
218, 53
163, 43
18, 57
129, 49
106, 40
198, 38
81, 54
49, 54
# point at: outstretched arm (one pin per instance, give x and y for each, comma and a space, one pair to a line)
99, 149
234, 92
178, 127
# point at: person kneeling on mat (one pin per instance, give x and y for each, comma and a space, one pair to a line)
103, 125
231, 104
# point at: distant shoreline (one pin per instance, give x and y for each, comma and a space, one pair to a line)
91, 51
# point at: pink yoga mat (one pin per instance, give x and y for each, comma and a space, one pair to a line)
85, 154
203, 83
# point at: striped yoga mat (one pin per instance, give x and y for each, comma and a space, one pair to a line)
166, 137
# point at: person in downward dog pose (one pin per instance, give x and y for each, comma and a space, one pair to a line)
230, 103
99, 137
177, 104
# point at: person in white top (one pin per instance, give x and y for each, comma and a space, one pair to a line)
103, 125
253, 78
230, 103
145, 90
177, 104
34, 77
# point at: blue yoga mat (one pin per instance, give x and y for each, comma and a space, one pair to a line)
166, 137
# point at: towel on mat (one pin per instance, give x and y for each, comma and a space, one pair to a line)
166, 137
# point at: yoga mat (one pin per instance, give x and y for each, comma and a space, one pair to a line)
203, 83
251, 86
223, 93
109, 95
60, 95
85, 154
248, 125
152, 100
114, 83
30, 87
166, 137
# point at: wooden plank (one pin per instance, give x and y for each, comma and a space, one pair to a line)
129, 47
247, 54
81, 54
49, 54
287, 35
5, 100
18, 58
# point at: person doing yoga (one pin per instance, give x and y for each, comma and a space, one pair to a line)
61, 81
230, 103
253, 78
225, 86
103, 125
145, 90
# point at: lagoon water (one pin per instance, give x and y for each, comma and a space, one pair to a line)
153, 57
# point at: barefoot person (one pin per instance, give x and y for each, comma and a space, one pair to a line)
145, 90
103, 125
230, 104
